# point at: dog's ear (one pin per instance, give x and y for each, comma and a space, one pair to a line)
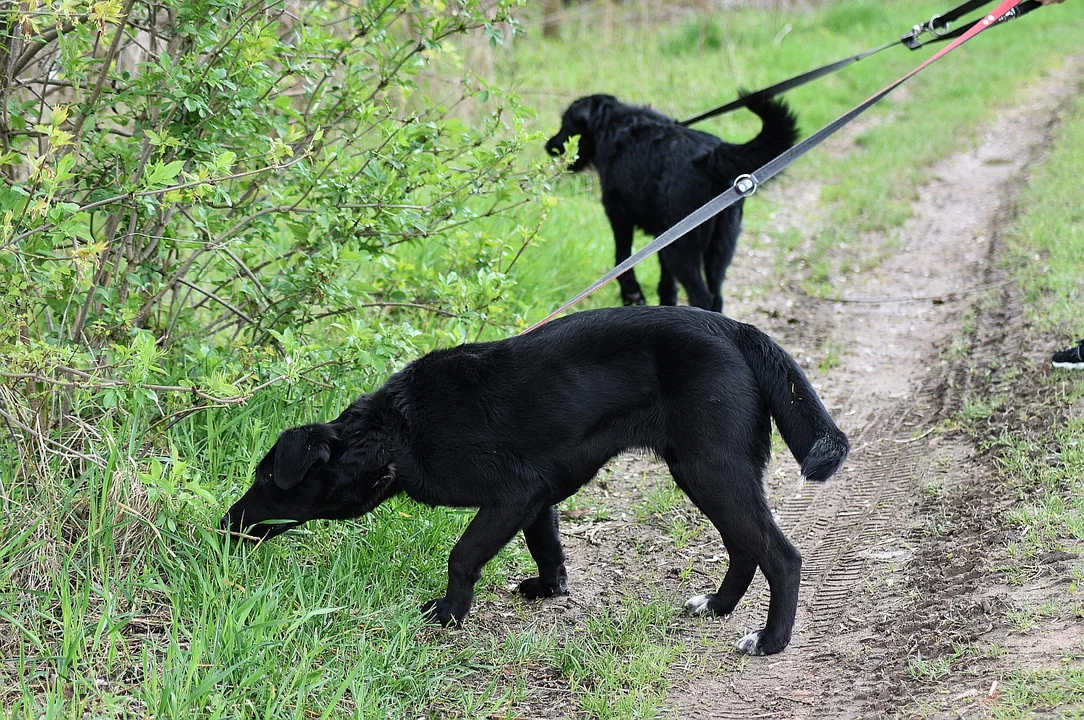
593, 111
579, 116
296, 451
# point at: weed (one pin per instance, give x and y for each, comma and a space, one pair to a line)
920, 668
830, 357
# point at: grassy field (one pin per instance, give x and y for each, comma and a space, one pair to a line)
1029, 418
1046, 470
117, 598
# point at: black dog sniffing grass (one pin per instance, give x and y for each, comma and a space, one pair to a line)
516, 426
654, 172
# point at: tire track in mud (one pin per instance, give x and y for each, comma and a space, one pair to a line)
891, 387
837, 525
883, 469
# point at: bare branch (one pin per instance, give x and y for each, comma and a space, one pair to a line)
416, 306
232, 308
107, 62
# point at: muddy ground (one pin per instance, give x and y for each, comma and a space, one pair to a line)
901, 548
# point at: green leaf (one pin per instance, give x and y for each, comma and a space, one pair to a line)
161, 175
225, 161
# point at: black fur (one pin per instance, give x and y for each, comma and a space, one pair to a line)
654, 172
515, 427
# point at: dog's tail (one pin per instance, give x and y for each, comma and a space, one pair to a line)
813, 438
778, 133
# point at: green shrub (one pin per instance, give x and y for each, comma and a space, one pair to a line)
204, 202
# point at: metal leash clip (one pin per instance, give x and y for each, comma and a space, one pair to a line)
746, 185
933, 28
910, 40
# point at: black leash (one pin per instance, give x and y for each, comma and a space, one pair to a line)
937, 26
789, 84
746, 185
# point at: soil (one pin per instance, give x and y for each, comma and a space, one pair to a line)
901, 548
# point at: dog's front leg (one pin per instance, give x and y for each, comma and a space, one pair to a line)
488, 532
631, 294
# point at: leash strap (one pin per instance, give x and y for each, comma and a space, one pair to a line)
956, 13
746, 185
941, 35
937, 26
789, 84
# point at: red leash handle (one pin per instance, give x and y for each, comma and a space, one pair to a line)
738, 191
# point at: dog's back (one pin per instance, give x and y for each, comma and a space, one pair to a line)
662, 170
600, 382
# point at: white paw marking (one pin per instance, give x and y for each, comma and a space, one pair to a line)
750, 644
698, 604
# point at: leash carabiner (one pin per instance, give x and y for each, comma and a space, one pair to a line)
746, 185
911, 39
937, 27
936, 30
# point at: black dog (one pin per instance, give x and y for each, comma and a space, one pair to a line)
515, 427
654, 172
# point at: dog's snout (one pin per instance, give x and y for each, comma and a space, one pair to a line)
226, 523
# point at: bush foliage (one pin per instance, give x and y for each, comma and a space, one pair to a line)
210, 201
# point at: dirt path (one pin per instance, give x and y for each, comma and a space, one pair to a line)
878, 587
893, 383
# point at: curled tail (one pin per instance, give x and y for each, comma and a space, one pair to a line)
778, 134
813, 438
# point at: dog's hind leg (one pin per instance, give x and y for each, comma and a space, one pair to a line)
622, 226
488, 532
544, 542
686, 268
719, 254
668, 294
781, 563
739, 510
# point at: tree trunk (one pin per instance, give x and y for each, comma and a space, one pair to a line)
551, 18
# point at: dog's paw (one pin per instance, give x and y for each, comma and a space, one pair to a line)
750, 644
699, 604
636, 298
707, 605
535, 589
441, 611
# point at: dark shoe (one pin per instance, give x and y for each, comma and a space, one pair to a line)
1070, 358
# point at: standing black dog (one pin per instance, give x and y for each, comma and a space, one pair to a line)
654, 172
515, 427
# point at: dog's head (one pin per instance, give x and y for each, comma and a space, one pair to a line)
314, 472
583, 118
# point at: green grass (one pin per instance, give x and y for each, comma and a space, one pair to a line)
1047, 239
118, 598
1046, 244
830, 359
614, 661
1028, 692
1044, 470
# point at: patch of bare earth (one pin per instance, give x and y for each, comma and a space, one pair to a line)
893, 572
896, 581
